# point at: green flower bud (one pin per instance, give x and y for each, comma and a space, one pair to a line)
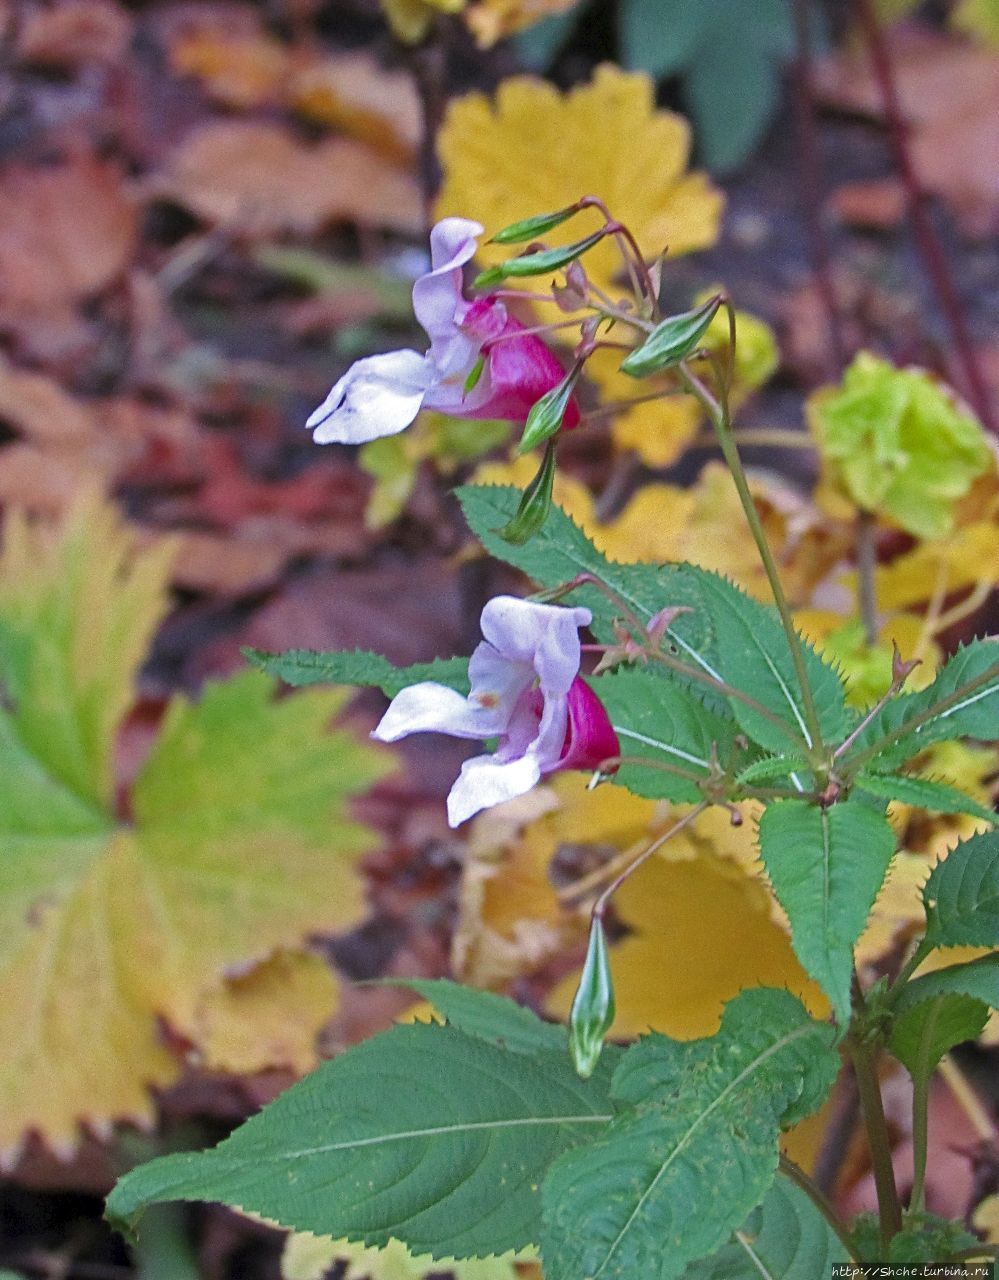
593, 1007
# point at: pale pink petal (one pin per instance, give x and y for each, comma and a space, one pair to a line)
485, 781
438, 300
496, 679
377, 396
434, 708
546, 636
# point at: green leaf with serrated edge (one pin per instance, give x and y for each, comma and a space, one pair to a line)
923, 793
826, 867
422, 1133
486, 1015
561, 550
307, 666
753, 654
971, 714
671, 341
773, 769
666, 723
696, 1147
923, 1033
530, 228
785, 1237
536, 264
978, 979
961, 896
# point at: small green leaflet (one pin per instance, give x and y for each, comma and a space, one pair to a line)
785, 1237
961, 896
773, 769
967, 693
826, 867
666, 1169
481, 1123
536, 264
924, 1032
924, 793
531, 228
671, 341
306, 666
665, 722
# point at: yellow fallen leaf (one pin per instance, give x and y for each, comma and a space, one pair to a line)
536, 149
120, 913
492, 20
986, 1219
942, 567
411, 20
269, 1016
310, 1257
240, 68
353, 93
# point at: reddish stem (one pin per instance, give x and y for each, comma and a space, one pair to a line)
930, 249
813, 184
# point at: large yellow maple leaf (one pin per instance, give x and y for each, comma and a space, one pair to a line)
535, 149
121, 913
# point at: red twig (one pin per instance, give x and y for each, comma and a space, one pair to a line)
813, 184
930, 248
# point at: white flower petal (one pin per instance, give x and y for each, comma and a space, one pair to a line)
485, 781
377, 396
546, 636
496, 678
434, 708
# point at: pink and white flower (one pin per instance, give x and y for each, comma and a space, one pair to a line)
382, 394
526, 691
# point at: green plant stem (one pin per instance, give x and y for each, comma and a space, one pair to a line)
920, 1138
872, 1110
730, 451
600, 906
922, 950
821, 1201
866, 565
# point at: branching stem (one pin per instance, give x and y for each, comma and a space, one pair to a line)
821, 1201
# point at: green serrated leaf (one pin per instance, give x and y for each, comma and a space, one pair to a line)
423, 1133
924, 793
561, 550
773, 769
924, 1032
786, 1237
358, 666
826, 867
961, 896
664, 722
967, 693
978, 979
753, 654
696, 1147
486, 1015
671, 341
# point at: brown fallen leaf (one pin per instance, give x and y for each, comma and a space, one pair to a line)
238, 68
258, 178
74, 33
877, 205
67, 231
353, 93
949, 94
